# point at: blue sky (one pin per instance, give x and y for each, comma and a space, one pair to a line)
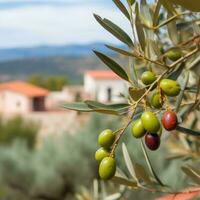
25, 23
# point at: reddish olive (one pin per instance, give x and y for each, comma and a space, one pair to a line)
148, 77
107, 168
150, 122
101, 154
169, 120
152, 141
138, 130
106, 138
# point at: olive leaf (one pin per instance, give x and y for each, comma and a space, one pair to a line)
150, 165
187, 131
115, 30
183, 86
124, 181
113, 196
192, 173
78, 106
128, 162
139, 28
115, 67
142, 174
136, 93
121, 51
177, 72
145, 14
156, 16
131, 2
122, 8
115, 109
172, 31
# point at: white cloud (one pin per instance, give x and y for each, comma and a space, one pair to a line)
39, 25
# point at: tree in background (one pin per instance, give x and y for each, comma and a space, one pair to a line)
162, 105
53, 83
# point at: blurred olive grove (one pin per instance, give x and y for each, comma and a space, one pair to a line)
60, 167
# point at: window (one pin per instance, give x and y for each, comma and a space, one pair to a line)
109, 94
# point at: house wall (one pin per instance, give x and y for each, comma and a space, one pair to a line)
11, 102
98, 88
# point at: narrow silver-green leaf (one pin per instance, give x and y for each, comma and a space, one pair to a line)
172, 31
115, 67
188, 131
135, 93
150, 165
113, 196
123, 9
183, 86
124, 181
139, 29
115, 30
142, 174
145, 14
121, 51
177, 72
192, 173
115, 109
156, 16
78, 106
128, 161
131, 2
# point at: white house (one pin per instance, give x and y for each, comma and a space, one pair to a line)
104, 85
21, 97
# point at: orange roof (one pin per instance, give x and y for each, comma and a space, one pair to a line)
24, 88
102, 74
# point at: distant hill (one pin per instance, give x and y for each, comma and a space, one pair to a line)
48, 51
70, 60
71, 66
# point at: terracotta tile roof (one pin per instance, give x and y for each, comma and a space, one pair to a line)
24, 88
102, 74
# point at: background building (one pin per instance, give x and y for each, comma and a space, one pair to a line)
21, 97
104, 85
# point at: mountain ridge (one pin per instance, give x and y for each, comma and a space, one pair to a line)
43, 51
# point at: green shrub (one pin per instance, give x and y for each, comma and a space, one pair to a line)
18, 128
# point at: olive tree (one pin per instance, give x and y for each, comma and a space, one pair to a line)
161, 104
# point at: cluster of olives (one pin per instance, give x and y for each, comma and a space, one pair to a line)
107, 166
148, 125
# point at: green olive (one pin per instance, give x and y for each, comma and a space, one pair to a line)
101, 154
138, 130
170, 88
148, 77
156, 100
106, 138
107, 168
174, 54
150, 122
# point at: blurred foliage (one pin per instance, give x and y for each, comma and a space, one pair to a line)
18, 128
53, 83
59, 168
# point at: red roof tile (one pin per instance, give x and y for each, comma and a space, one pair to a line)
24, 88
102, 74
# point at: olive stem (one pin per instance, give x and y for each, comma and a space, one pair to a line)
183, 58
121, 133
